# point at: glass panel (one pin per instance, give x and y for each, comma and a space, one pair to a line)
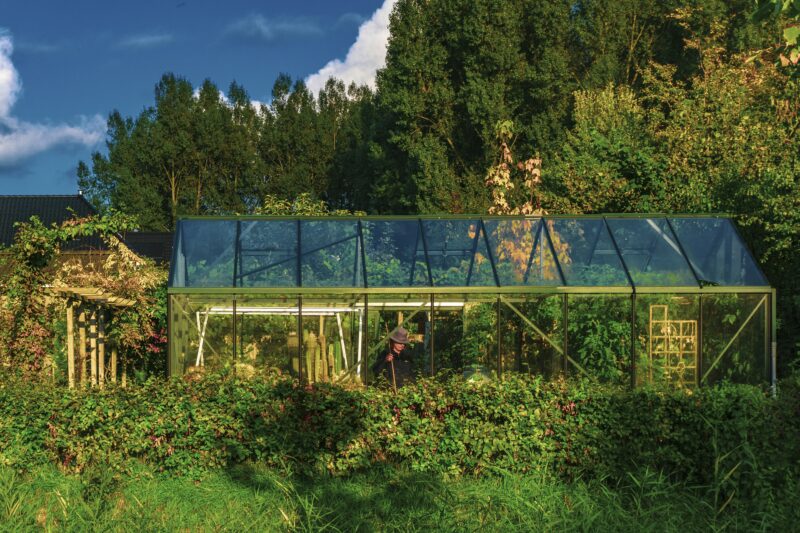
177, 271
394, 254
599, 342
586, 253
266, 331
267, 254
209, 250
332, 328
532, 335
651, 252
477, 349
667, 339
457, 253
331, 254
387, 312
717, 253
465, 334
522, 252
201, 335
735, 338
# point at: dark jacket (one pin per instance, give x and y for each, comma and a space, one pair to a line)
402, 367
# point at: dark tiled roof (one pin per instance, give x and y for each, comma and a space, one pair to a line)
155, 245
48, 209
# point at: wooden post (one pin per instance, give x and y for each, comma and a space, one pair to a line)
101, 348
70, 344
323, 351
93, 344
114, 363
82, 345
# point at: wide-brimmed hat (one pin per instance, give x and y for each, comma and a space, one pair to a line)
399, 335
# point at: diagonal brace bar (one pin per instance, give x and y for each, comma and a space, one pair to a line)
535, 328
735, 336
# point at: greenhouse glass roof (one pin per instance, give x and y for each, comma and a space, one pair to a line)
617, 253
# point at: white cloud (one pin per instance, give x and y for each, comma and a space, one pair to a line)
20, 140
260, 28
149, 40
25, 139
10, 84
365, 57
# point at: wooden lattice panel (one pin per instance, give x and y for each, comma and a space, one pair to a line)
673, 347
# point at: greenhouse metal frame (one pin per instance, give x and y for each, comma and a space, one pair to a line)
692, 274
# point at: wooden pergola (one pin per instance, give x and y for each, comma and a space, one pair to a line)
92, 305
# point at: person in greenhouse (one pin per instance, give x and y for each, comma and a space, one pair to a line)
393, 365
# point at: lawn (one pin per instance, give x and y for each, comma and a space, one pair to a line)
251, 497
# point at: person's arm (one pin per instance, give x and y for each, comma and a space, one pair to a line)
380, 364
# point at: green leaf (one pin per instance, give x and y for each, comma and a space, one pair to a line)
791, 34
767, 9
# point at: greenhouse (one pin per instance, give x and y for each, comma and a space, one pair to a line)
627, 299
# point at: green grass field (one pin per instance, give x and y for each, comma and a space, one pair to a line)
254, 498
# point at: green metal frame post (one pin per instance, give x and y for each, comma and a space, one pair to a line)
171, 359
565, 312
365, 340
774, 341
633, 340
699, 362
433, 335
300, 357
234, 334
499, 342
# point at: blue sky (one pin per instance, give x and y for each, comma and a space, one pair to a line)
64, 65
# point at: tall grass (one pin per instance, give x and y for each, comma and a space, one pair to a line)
251, 497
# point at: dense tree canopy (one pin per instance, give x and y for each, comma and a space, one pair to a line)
201, 151
633, 105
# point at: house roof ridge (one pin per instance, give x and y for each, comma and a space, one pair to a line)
40, 195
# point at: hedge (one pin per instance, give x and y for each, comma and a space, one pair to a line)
736, 439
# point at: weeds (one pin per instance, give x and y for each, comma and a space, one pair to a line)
255, 497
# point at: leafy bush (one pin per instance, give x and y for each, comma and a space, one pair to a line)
735, 439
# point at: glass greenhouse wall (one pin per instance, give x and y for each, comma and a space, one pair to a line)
626, 299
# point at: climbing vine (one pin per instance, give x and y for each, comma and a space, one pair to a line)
34, 264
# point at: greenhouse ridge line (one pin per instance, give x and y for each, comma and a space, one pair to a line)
465, 216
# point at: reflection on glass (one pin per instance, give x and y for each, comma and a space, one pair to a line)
208, 248
717, 254
586, 252
267, 254
457, 253
651, 252
394, 254
331, 254
522, 252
